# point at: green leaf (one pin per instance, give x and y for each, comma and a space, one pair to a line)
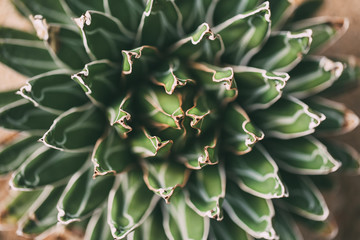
226, 9
312, 75
326, 30
118, 115
111, 154
160, 24
76, 129
22, 115
97, 227
202, 45
83, 195
218, 82
54, 91
164, 177
130, 203
244, 34
347, 155
162, 110
306, 9
42, 215
327, 229
205, 191
147, 146
253, 214
283, 51
288, 118
15, 153
24, 53
8, 97
151, 228
305, 156
339, 119
227, 229
104, 36
54, 11
256, 173
63, 42
304, 198
280, 11
42, 168
201, 151
171, 75
100, 81
182, 222
80, 6
241, 133
258, 88
285, 226
18, 206
129, 12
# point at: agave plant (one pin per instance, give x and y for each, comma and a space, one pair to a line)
173, 119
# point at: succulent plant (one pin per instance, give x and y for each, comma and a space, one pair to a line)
173, 119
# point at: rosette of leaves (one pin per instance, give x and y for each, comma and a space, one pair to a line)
173, 119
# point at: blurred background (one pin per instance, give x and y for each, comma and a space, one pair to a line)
344, 198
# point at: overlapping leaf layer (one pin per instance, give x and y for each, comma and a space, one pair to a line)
173, 119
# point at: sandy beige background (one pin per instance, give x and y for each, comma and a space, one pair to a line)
344, 200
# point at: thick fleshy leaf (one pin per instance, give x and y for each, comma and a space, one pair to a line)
171, 75
283, 51
76, 129
63, 42
313, 75
104, 36
347, 155
54, 91
8, 97
288, 118
160, 24
226, 9
227, 229
118, 115
129, 12
80, 6
100, 81
182, 222
15, 153
326, 30
194, 13
304, 198
24, 116
111, 154
164, 177
205, 191
97, 227
18, 207
161, 109
150, 229
339, 119
202, 45
256, 173
218, 82
83, 195
47, 166
306, 9
53, 11
285, 226
43, 214
327, 229
253, 214
146, 145
130, 203
281, 11
24, 53
305, 156
258, 88
244, 34
202, 152
241, 133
